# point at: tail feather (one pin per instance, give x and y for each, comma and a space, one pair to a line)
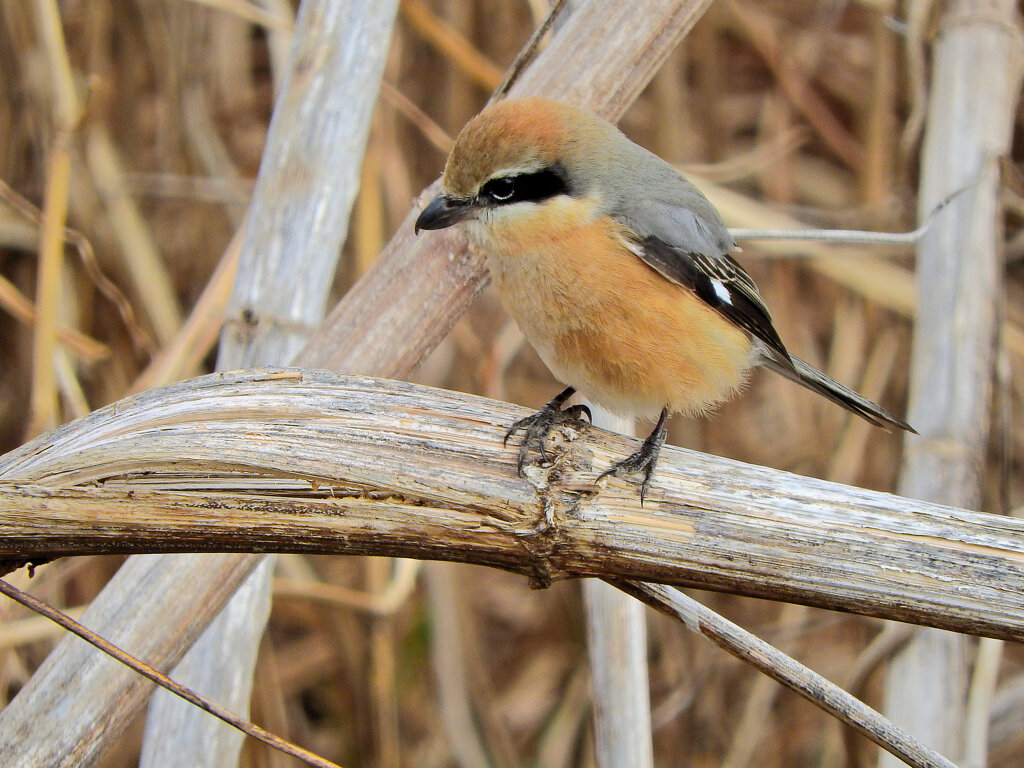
816, 381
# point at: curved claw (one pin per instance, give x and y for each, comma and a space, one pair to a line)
537, 427
578, 410
643, 460
520, 424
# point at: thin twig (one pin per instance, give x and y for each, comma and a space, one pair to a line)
853, 235
788, 671
762, 34
162, 680
463, 54
528, 51
141, 339
19, 306
251, 13
139, 251
430, 130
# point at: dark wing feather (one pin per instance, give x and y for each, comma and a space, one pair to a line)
686, 242
693, 252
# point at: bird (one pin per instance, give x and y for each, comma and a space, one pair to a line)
619, 272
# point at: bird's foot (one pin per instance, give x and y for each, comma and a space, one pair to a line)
537, 427
644, 460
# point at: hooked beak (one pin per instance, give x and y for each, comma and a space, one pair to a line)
443, 211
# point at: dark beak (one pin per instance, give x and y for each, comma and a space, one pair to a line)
443, 211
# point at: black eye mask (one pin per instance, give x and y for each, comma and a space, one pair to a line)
525, 187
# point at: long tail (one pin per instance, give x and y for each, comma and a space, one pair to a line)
816, 381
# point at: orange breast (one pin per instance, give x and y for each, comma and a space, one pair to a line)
608, 324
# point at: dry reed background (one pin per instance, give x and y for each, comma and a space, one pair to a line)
805, 105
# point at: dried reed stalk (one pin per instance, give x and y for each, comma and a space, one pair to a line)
147, 268
617, 648
307, 461
976, 80
288, 258
65, 111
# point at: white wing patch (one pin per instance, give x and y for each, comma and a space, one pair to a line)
721, 291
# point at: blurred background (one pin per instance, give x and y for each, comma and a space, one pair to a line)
801, 110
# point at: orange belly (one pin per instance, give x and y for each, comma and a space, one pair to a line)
609, 325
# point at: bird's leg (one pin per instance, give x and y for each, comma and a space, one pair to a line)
645, 459
537, 427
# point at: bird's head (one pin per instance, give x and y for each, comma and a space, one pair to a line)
519, 159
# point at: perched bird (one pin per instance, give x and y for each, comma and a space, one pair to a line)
617, 270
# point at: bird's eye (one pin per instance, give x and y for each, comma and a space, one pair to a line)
500, 190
